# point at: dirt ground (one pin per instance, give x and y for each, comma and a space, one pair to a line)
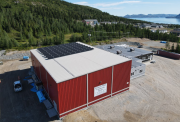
150, 43
152, 98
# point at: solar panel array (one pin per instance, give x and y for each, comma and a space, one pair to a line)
63, 50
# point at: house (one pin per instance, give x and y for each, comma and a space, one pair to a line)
176, 31
137, 23
163, 31
154, 26
114, 22
91, 22
160, 31
154, 31
161, 26
165, 26
146, 26
105, 23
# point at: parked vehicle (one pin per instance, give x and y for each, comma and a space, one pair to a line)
25, 58
17, 86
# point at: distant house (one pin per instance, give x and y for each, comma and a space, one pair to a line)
161, 26
165, 26
146, 26
91, 22
114, 22
155, 26
137, 23
122, 22
176, 31
163, 31
160, 31
153, 31
105, 23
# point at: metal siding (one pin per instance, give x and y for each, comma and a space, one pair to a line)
52, 86
72, 94
169, 55
43, 77
38, 69
105, 76
121, 76
32, 59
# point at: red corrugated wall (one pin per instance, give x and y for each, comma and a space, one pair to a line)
72, 94
32, 59
99, 78
121, 75
52, 87
43, 78
168, 54
36, 65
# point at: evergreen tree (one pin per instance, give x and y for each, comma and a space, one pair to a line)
167, 45
172, 48
178, 48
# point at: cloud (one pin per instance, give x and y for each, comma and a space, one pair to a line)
82, 3
154, 3
113, 4
111, 8
106, 4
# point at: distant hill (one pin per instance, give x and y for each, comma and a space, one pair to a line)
178, 16
150, 16
26, 23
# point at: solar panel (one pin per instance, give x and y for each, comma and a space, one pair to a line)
63, 50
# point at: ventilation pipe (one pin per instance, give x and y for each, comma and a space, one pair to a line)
112, 47
132, 49
119, 51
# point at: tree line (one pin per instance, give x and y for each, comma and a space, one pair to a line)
34, 23
104, 32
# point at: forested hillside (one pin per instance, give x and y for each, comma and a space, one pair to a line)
31, 23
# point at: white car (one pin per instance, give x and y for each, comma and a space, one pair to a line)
17, 86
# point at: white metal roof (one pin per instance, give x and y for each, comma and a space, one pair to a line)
72, 66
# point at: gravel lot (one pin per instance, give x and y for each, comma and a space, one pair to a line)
152, 98
14, 55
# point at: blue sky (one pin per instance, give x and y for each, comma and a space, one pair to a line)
124, 7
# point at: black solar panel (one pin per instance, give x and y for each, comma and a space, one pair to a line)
63, 50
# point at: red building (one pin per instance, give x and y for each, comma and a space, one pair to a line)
169, 54
77, 80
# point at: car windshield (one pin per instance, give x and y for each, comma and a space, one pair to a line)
18, 86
